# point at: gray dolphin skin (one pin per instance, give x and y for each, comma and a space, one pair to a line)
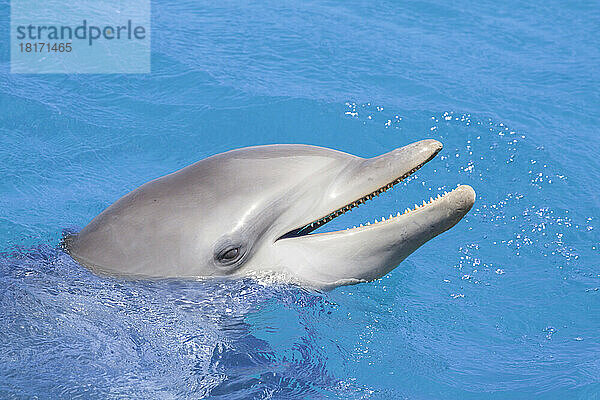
251, 211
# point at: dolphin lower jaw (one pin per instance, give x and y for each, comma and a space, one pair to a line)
370, 251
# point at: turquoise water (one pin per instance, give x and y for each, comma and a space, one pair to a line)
503, 306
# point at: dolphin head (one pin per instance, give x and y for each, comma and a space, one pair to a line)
252, 210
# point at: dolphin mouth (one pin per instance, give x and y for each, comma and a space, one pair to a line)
306, 229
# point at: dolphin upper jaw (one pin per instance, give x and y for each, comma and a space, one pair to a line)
360, 181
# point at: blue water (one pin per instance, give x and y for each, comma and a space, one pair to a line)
506, 305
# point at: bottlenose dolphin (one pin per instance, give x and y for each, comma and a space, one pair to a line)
252, 210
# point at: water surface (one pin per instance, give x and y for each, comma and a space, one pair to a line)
505, 305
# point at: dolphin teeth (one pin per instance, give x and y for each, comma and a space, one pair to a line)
315, 224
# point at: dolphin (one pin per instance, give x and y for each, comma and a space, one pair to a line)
251, 211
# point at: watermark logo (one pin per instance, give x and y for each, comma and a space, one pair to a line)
89, 36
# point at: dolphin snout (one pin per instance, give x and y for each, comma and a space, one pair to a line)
464, 197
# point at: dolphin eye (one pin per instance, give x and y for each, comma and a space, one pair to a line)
230, 254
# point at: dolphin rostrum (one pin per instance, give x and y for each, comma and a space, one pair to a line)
251, 211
